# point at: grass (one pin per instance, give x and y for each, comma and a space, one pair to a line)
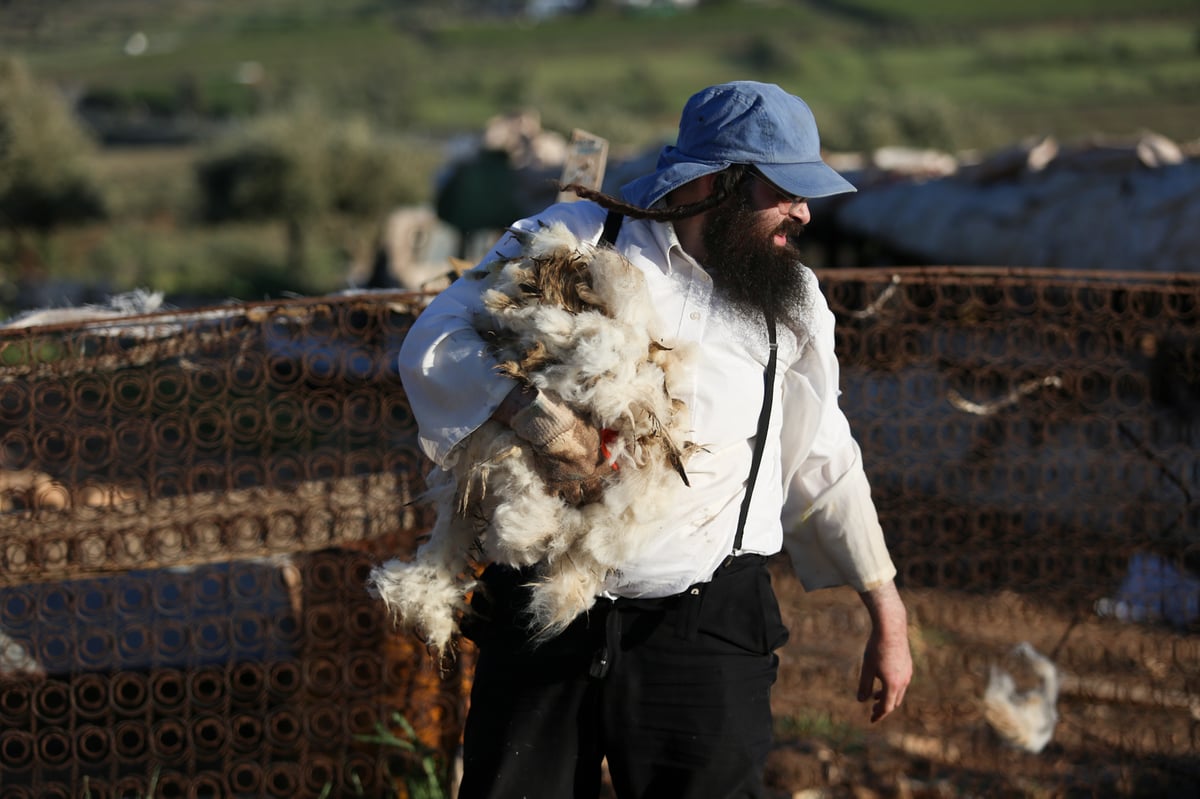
418, 763
150, 789
153, 240
944, 12
132, 197
820, 726
627, 76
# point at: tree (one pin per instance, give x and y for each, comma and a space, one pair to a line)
303, 167
47, 176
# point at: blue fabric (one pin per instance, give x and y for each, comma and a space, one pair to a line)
744, 122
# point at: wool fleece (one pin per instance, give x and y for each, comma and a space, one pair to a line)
573, 318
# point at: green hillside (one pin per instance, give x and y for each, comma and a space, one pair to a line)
387, 83
938, 72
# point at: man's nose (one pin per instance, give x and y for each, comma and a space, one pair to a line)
799, 211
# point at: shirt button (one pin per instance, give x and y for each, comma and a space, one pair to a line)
695, 315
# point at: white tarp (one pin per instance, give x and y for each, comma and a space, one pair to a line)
1131, 207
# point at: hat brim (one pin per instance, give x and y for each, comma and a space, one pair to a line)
810, 180
674, 170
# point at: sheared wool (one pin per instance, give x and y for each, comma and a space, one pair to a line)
576, 319
1023, 718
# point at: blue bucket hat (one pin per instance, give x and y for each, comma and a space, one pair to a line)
743, 122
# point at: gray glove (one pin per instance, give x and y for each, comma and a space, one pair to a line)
556, 431
568, 444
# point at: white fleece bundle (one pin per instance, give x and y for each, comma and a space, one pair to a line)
1024, 718
588, 333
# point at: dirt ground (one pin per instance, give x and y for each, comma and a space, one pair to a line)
1129, 704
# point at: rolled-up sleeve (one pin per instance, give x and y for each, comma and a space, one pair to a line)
830, 525
449, 377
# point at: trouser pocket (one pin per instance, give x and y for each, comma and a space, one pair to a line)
740, 608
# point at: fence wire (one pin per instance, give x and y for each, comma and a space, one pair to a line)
189, 504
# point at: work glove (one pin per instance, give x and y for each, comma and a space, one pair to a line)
567, 447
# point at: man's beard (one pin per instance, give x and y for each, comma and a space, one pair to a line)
749, 270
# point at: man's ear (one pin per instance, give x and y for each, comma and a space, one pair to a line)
693, 191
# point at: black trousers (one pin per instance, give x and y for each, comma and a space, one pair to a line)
675, 692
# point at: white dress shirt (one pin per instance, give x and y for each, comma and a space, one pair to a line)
811, 494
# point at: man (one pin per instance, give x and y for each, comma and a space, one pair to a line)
669, 675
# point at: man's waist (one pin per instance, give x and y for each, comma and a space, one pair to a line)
645, 581
729, 566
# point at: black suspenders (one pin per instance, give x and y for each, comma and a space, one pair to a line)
612, 226
760, 437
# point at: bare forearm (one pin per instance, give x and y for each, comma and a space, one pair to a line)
887, 661
889, 617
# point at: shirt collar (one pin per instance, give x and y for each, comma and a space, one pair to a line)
677, 260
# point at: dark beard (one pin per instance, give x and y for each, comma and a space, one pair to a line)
749, 271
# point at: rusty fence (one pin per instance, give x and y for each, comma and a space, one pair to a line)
189, 504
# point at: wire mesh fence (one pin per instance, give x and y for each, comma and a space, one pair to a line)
191, 501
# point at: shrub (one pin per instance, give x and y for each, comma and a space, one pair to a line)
46, 173
303, 167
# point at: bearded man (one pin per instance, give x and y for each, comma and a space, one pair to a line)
668, 676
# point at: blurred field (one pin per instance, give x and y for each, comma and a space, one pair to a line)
440, 68
161, 85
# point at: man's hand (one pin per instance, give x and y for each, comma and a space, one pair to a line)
567, 445
887, 659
